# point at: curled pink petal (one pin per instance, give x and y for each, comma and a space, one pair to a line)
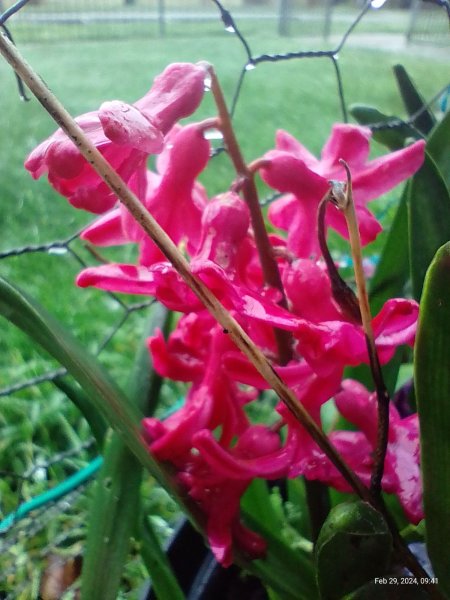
128, 279
396, 323
287, 142
331, 344
308, 288
106, 230
125, 125
349, 142
384, 173
132, 133
263, 458
225, 223
175, 94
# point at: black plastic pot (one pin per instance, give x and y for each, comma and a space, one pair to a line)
199, 574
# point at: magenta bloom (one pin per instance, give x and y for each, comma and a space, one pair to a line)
293, 170
214, 471
218, 262
330, 343
173, 197
402, 464
125, 135
216, 479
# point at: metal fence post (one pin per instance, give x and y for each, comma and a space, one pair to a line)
283, 17
328, 19
162, 17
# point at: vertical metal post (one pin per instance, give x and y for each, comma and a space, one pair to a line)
328, 19
283, 17
162, 17
414, 11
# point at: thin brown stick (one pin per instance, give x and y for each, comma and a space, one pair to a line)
246, 183
343, 198
317, 494
344, 201
342, 293
162, 240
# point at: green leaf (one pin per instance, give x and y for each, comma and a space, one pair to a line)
288, 572
413, 101
105, 395
393, 137
353, 548
112, 518
164, 583
297, 498
115, 507
439, 147
432, 383
283, 565
429, 220
392, 270
96, 421
257, 501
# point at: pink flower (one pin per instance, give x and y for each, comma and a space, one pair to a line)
125, 135
216, 479
213, 401
173, 197
214, 469
402, 464
330, 343
293, 170
308, 289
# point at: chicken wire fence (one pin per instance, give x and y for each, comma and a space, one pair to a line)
426, 26
56, 20
71, 19
50, 483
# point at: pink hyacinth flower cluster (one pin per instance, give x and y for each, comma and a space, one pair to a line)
211, 441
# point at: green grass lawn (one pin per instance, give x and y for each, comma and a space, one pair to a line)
298, 95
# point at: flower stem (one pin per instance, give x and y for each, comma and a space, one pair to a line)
344, 201
247, 185
317, 494
342, 293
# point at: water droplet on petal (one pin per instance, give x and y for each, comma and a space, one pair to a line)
207, 83
213, 134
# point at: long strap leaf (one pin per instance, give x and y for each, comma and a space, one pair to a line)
413, 101
432, 383
106, 396
439, 147
429, 219
116, 504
